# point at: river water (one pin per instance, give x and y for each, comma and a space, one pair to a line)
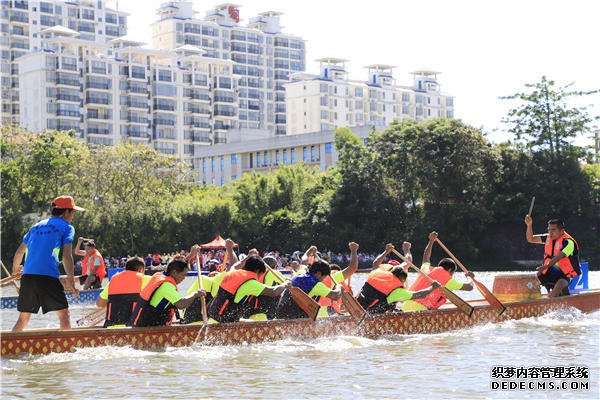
454, 365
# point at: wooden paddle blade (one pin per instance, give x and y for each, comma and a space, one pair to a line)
204, 312
305, 302
93, 318
489, 297
457, 301
352, 305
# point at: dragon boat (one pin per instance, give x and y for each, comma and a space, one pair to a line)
525, 302
85, 296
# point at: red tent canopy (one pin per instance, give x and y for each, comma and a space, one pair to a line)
217, 243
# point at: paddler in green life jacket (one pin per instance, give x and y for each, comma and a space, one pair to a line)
193, 313
159, 299
561, 257
237, 287
310, 283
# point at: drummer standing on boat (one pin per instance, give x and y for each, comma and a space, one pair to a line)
40, 284
561, 257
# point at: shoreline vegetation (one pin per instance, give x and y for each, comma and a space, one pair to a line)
398, 184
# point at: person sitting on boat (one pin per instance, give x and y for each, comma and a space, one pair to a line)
159, 299
122, 291
442, 273
263, 307
340, 276
93, 270
193, 313
238, 285
561, 257
311, 283
385, 288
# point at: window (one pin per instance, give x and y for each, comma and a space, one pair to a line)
212, 164
266, 159
312, 153
276, 157
222, 163
323, 88
304, 154
284, 157
233, 177
292, 156
204, 165
328, 148
234, 159
258, 164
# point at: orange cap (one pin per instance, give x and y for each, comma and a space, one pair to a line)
66, 202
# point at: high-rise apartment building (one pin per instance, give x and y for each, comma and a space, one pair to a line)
21, 23
330, 100
118, 91
264, 56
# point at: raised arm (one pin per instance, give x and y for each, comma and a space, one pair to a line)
78, 250
379, 259
353, 266
311, 252
531, 238
230, 255
427, 252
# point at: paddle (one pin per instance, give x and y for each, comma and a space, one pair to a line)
10, 277
304, 301
457, 301
531, 206
351, 304
489, 296
202, 301
93, 318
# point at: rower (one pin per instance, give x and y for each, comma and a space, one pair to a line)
121, 293
311, 283
263, 307
442, 273
159, 299
332, 307
231, 300
561, 257
383, 289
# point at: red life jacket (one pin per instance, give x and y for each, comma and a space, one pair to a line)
146, 315
568, 265
435, 299
123, 291
223, 308
100, 270
373, 295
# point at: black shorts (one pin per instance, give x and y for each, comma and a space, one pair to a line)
553, 275
41, 291
94, 284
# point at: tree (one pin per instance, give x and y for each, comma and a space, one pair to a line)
544, 121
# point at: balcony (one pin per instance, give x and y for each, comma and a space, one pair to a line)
68, 97
162, 121
164, 107
201, 138
99, 116
132, 104
19, 18
97, 100
98, 131
137, 120
224, 99
97, 85
68, 113
224, 113
138, 89
21, 4
67, 82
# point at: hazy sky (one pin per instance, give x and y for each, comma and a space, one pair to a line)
483, 49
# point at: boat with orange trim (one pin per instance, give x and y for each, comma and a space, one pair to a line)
447, 318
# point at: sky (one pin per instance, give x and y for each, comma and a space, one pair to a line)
483, 49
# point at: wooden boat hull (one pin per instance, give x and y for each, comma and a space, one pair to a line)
155, 338
85, 296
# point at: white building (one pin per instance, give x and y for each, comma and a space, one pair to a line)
219, 165
20, 26
264, 56
330, 100
173, 100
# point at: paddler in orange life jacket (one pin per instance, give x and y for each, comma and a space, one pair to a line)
193, 313
561, 257
121, 293
384, 288
441, 273
263, 307
378, 262
330, 306
93, 270
310, 283
237, 287
159, 299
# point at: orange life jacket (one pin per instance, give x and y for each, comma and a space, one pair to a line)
123, 291
223, 308
146, 315
373, 295
568, 265
336, 305
435, 299
100, 270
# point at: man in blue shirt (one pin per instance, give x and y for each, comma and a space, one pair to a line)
40, 284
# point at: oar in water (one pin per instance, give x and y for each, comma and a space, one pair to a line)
531, 206
10, 277
457, 301
93, 318
351, 304
489, 296
202, 302
304, 301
